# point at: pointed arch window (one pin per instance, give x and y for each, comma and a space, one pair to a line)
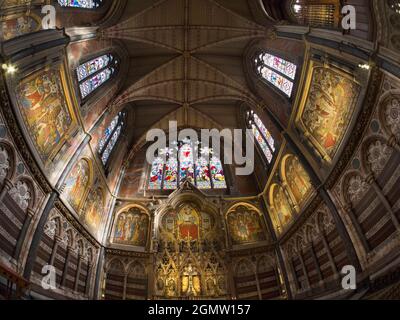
84, 4
262, 135
186, 160
110, 137
94, 73
277, 71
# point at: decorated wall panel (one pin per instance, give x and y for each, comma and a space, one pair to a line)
77, 183
47, 112
281, 208
131, 227
327, 107
94, 210
245, 225
296, 178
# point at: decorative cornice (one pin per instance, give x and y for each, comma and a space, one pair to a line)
75, 223
123, 253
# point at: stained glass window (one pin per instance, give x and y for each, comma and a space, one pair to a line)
277, 71
217, 173
171, 173
108, 132
191, 164
186, 170
92, 66
94, 73
110, 137
283, 66
85, 4
111, 145
91, 84
203, 180
262, 135
267, 135
156, 174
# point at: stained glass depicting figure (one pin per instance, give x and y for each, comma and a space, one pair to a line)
171, 174
186, 163
217, 173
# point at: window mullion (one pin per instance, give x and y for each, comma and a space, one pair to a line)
277, 71
262, 135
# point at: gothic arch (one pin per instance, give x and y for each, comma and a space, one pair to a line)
24, 193
244, 267
389, 115
115, 263
375, 152
10, 160
353, 187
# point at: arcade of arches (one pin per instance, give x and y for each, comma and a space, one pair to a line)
78, 194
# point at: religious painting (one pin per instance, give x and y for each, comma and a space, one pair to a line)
45, 110
281, 206
297, 179
131, 228
245, 225
77, 183
185, 224
17, 26
188, 223
94, 209
327, 108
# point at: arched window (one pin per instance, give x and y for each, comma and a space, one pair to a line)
110, 137
94, 73
277, 71
263, 136
187, 161
85, 4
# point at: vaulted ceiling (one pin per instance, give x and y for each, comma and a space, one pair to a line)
186, 62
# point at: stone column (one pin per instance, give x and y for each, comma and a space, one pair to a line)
357, 226
124, 287
78, 271
88, 277
98, 274
57, 241
7, 185
38, 236
329, 253
303, 266
65, 271
371, 180
316, 263
258, 286
22, 235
